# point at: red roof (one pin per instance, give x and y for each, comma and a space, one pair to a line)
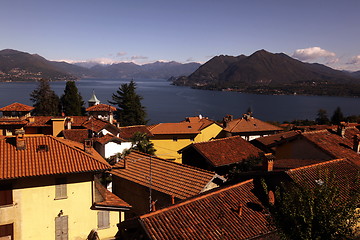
108, 199
77, 135
176, 128
178, 180
249, 124
107, 138
95, 124
17, 107
226, 151
46, 155
128, 132
101, 108
213, 215
274, 139
335, 145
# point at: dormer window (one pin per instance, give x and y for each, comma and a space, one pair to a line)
42, 148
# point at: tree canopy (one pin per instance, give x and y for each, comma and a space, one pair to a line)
326, 211
46, 102
71, 101
130, 111
337, 117
141, 142
322, 117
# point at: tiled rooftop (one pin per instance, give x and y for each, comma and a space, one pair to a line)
78, 135
274, 139
213, 215
250, 124
178, 180
128, 132
335, 145
95, 124
108, 199
176, 128
46, 155
226, 151
16, 107
101, 108
107, 138
346, 174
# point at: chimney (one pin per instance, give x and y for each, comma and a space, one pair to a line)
240, 209
172, 199
268, 162
226, 119
20, 139
87, 146
271, 197
153, 206
341, 129
356, 143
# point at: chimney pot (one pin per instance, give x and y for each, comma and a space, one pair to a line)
240, 209
341, 129
20, 139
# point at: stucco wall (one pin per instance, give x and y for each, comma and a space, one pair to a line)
35, 209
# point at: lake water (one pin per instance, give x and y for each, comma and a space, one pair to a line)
167, 103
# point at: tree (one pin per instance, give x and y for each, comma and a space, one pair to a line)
322, 117
130, 111
141, 142
325, 211
337, 117
46, 102
71, 101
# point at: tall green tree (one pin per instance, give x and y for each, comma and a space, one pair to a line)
130, 111
337, 117
71, 101
45, 100
326, 211
322, 117
141, 142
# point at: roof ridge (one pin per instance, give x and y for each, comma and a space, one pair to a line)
318, 164
315, 131
196, 197
218, 139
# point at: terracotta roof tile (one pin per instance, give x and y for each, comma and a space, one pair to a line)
101, 108
250, 124
335, 145
16, 107
108, 199
204, 121
211, 215
95, 124
77, 121
172, 178
12, 121
274, 139
176, 128
226, 151
107, 138
78, 135
55, 157
346, 174
39, 121
128, 132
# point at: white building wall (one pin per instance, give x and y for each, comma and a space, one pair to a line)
112, 148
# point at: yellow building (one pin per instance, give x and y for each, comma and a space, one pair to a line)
169, 138
48, 191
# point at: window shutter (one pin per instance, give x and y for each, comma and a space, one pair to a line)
60, 188
61, 228
6, 197
103, 219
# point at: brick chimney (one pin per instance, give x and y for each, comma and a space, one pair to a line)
226, 119
87, 146
341, 129
20, 139
356, 143
268, 162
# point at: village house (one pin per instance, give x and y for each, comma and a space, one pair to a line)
48, 191
147, 182
247, 127
220, 155
321, 145
169, 138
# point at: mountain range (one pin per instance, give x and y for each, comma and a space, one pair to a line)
21, 66
271, 73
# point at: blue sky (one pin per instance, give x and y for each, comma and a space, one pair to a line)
146, 31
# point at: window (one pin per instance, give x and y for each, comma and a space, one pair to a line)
192, 139
103, 219
6, 196
60, 188
175, 139
6, 231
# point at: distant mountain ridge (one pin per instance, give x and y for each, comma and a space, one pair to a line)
21, 66
271, 73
